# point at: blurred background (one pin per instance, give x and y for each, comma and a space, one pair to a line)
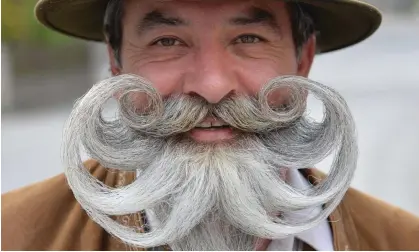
44, 72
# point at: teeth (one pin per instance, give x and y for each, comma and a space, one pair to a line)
218, 124
209, 125
204, 125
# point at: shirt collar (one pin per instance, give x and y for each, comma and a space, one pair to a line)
320, 237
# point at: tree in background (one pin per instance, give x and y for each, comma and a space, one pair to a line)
19, 25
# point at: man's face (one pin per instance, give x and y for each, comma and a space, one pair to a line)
211, 49
209, 63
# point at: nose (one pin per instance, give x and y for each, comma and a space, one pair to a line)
210, 77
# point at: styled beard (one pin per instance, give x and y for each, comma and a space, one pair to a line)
209, 196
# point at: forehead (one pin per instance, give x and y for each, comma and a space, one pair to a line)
203, 8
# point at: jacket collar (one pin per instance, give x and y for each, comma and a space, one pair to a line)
343, 228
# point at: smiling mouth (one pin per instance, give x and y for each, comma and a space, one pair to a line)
214, 127
212, 124
212, 130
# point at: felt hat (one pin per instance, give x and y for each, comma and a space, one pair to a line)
339, 23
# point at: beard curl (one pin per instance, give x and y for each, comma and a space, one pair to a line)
199, 190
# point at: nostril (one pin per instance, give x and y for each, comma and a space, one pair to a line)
194, 94
214, 98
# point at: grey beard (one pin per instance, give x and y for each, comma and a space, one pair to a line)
208, 196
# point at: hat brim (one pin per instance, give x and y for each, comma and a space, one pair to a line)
340, 23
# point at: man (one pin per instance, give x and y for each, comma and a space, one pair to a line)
211, 146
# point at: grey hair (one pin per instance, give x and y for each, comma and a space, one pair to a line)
209, 197
302, 25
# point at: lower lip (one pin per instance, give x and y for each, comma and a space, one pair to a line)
211, 135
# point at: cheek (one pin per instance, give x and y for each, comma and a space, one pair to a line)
254, 75
166, 78
279, 97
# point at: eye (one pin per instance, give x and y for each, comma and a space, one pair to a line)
167, 42
248, 39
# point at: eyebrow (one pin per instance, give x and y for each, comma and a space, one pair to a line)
156, 18
255, 15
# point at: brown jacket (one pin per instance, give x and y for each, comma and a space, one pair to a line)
46, 216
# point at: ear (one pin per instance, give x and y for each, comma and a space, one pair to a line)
115, 69
307, 56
